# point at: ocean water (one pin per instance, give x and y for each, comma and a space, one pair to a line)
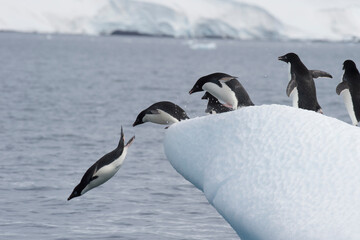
63, 100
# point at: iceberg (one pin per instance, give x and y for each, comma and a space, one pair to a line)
273, 171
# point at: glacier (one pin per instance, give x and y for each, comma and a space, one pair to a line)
239, 19
273, 171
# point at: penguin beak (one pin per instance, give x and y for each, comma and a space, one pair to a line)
282, 58
130, 142
195, 89
137, 122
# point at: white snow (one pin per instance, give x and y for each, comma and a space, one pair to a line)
243, 19
274, 172
58, 16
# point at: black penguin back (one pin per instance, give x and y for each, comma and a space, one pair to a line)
240, 93
170, 108
305, 85
352, 77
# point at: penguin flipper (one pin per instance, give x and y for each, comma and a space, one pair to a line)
290, 87
93, 178
154, 111
227, 78
341, 87
319, 73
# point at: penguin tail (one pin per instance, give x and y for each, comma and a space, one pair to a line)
130, 141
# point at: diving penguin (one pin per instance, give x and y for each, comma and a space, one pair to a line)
164, 112
104, 169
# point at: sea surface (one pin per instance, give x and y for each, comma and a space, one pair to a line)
63, 100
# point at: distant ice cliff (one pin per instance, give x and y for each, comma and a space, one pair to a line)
253, 19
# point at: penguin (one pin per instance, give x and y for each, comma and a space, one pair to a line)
214, 106
165, 113
349, 89
224, 87
103, 169
302, 86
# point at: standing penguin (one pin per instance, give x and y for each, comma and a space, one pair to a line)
104, 169
164, 112
214, 106
349, 89
224, 87
302, 86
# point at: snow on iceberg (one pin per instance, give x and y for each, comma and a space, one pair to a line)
274, 172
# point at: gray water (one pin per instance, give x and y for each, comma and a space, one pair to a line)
64, 98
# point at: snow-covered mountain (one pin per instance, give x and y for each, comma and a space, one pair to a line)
241, 19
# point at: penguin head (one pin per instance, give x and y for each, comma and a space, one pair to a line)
198, 86
289, 57
348, 65
139, 119
351, 73
76, 192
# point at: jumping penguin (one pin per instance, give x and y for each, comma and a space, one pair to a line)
224, 87
164, 112
104, 169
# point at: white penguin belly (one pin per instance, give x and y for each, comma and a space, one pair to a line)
349, 105
224, 93
295, 97
106, 172
160, 118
